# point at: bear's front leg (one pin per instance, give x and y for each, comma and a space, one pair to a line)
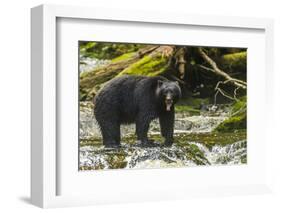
167, 120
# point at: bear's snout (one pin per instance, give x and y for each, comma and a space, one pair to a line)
168, 101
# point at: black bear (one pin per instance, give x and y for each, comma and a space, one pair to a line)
136, 99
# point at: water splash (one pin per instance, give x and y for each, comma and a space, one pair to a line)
88, 64
134, 156
191, 154
230, 154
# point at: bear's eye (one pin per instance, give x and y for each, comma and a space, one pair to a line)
168, 91
168, 94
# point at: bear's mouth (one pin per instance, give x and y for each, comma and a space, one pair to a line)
169, 103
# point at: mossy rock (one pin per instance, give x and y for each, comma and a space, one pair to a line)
238, 120
233, 123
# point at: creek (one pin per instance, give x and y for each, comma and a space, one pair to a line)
195, 143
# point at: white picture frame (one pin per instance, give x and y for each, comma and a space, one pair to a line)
44, 148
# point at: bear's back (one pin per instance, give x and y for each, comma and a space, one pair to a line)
117, 96
125, 95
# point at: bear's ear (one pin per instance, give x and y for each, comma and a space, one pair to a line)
159, 83
177, 83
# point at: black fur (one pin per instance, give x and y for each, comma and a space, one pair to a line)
135, 99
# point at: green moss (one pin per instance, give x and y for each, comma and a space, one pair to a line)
94, 167
90, 82
236, 57
91, 142
238, 120
185, 108
212, 138
123, 57
186, 143
84, 47
235, 61
191, 105
149, 66
233, 123
240, 104
182, 139
194, 102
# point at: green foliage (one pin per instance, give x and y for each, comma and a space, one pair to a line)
149, 66
215, 52
102, 50
235, 57
235, 61
85, 46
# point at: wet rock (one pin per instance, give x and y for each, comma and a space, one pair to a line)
133, 156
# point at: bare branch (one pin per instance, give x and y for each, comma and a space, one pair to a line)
224, 94
221, 91
207, 68
218, 71
235, 92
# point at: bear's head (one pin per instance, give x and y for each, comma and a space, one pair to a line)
168, 92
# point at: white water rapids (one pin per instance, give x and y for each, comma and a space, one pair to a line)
186, 153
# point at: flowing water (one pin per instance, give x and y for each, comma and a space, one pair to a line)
195, 144
88, 64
